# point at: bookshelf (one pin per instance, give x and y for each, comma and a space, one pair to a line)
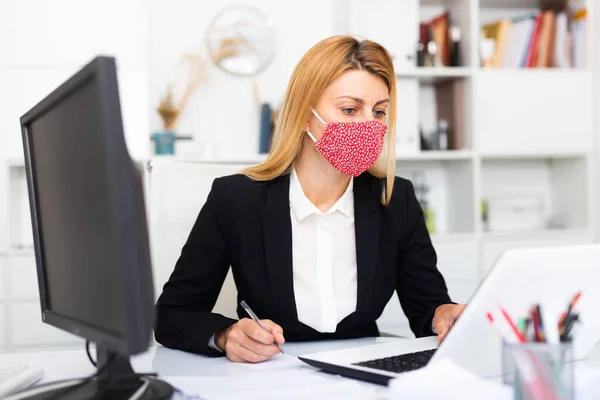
526, 131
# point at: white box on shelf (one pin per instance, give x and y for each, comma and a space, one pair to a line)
516, 213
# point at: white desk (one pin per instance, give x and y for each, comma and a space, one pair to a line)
66, 364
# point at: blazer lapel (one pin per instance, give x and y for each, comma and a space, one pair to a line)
367, 221
277, 228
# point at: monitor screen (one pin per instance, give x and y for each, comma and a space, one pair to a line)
77, 233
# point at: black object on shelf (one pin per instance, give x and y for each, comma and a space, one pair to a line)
266, 128
425, 143
454, 45
442, 135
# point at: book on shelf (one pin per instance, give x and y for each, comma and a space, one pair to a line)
450, 97
267, 126
553, 37
438, 43
442, 125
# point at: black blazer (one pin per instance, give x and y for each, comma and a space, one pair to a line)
246, 224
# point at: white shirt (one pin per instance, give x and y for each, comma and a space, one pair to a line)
324, 258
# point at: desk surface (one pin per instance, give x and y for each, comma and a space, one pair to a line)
68, 364
65, 364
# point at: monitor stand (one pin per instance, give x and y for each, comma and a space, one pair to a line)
117, 382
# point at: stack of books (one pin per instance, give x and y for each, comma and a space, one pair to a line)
545, 39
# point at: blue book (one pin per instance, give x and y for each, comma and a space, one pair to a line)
265, 129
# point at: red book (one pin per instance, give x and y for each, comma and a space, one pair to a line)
533, 43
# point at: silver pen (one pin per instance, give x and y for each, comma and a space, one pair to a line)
255, 318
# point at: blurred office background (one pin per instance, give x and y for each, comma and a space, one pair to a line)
498, 117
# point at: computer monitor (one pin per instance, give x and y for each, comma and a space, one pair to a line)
89, 228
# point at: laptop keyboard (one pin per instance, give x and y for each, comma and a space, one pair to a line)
401, 363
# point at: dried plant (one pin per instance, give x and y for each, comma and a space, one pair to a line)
195, 72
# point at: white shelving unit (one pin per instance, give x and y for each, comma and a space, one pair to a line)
526, 132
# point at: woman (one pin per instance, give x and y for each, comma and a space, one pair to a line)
320, 234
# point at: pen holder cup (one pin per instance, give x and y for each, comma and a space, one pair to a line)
539, 370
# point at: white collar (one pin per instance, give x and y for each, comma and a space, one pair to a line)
303, 207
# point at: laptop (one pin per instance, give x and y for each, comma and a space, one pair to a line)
519, 278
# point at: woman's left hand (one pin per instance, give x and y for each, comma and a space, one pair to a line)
444, 317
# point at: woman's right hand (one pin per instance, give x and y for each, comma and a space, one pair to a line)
245, 341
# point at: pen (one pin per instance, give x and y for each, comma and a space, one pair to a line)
536, 324
255, 318
569, 322
542, 334
527, 324
572, 305
512, 325
525, 364
504, 329
521, 326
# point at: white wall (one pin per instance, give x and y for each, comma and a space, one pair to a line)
42, 42
223, 114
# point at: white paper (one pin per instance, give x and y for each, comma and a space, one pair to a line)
289, 384
444, 380
276, 362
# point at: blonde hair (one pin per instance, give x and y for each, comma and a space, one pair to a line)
317, 69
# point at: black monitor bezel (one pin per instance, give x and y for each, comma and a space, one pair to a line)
139, 313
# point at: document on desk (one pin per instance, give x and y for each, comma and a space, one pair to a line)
445, 380
276, 362
293, 383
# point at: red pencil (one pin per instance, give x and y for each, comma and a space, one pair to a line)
514, 328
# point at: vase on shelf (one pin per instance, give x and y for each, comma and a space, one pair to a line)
164, 142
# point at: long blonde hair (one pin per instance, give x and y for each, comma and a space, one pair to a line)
317, 69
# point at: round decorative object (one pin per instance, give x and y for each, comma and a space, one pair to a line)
241, 40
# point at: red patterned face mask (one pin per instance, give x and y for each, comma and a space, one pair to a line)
350, 147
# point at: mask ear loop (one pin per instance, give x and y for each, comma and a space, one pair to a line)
320, 119
311, 136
